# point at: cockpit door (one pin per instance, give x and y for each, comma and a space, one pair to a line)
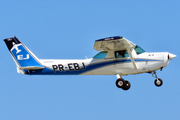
122, 60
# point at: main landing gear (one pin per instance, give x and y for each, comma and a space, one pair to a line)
158, 81
125, 85
121, 83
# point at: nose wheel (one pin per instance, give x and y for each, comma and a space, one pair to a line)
121, 83
158, 81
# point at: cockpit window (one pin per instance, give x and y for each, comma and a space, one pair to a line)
121, 54
100, 55
124, 53
138, 50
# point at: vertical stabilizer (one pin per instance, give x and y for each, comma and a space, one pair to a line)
23, 57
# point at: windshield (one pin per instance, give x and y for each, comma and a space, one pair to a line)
100, 55
138, 50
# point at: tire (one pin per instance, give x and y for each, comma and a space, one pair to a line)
120, 83
158, 82
127, 85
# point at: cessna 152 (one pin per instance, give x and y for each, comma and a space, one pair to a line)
117, 56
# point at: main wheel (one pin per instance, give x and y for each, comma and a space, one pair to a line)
120, 83
127, 85
158, 82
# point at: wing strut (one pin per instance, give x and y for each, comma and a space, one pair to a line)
132, 59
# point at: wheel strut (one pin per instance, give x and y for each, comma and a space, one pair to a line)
118, 76
154, 74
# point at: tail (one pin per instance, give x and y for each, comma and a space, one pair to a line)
25, 60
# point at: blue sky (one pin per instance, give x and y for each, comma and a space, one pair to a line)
67, 30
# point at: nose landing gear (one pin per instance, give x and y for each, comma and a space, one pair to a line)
158, 81
121, 83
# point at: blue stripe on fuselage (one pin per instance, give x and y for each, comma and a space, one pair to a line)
47, 71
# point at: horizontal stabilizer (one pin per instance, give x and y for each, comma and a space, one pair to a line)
31, 68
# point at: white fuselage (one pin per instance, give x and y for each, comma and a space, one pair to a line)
146, 62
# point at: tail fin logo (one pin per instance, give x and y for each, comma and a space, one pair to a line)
20, 57
16, 47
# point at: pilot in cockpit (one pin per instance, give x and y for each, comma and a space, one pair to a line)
121, 53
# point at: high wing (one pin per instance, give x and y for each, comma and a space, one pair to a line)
113, 43
116, 43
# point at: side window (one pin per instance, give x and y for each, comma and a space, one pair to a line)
121, 54
100, 55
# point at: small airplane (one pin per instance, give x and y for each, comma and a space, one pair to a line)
118, 56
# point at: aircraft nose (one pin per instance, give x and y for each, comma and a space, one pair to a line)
171, 56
